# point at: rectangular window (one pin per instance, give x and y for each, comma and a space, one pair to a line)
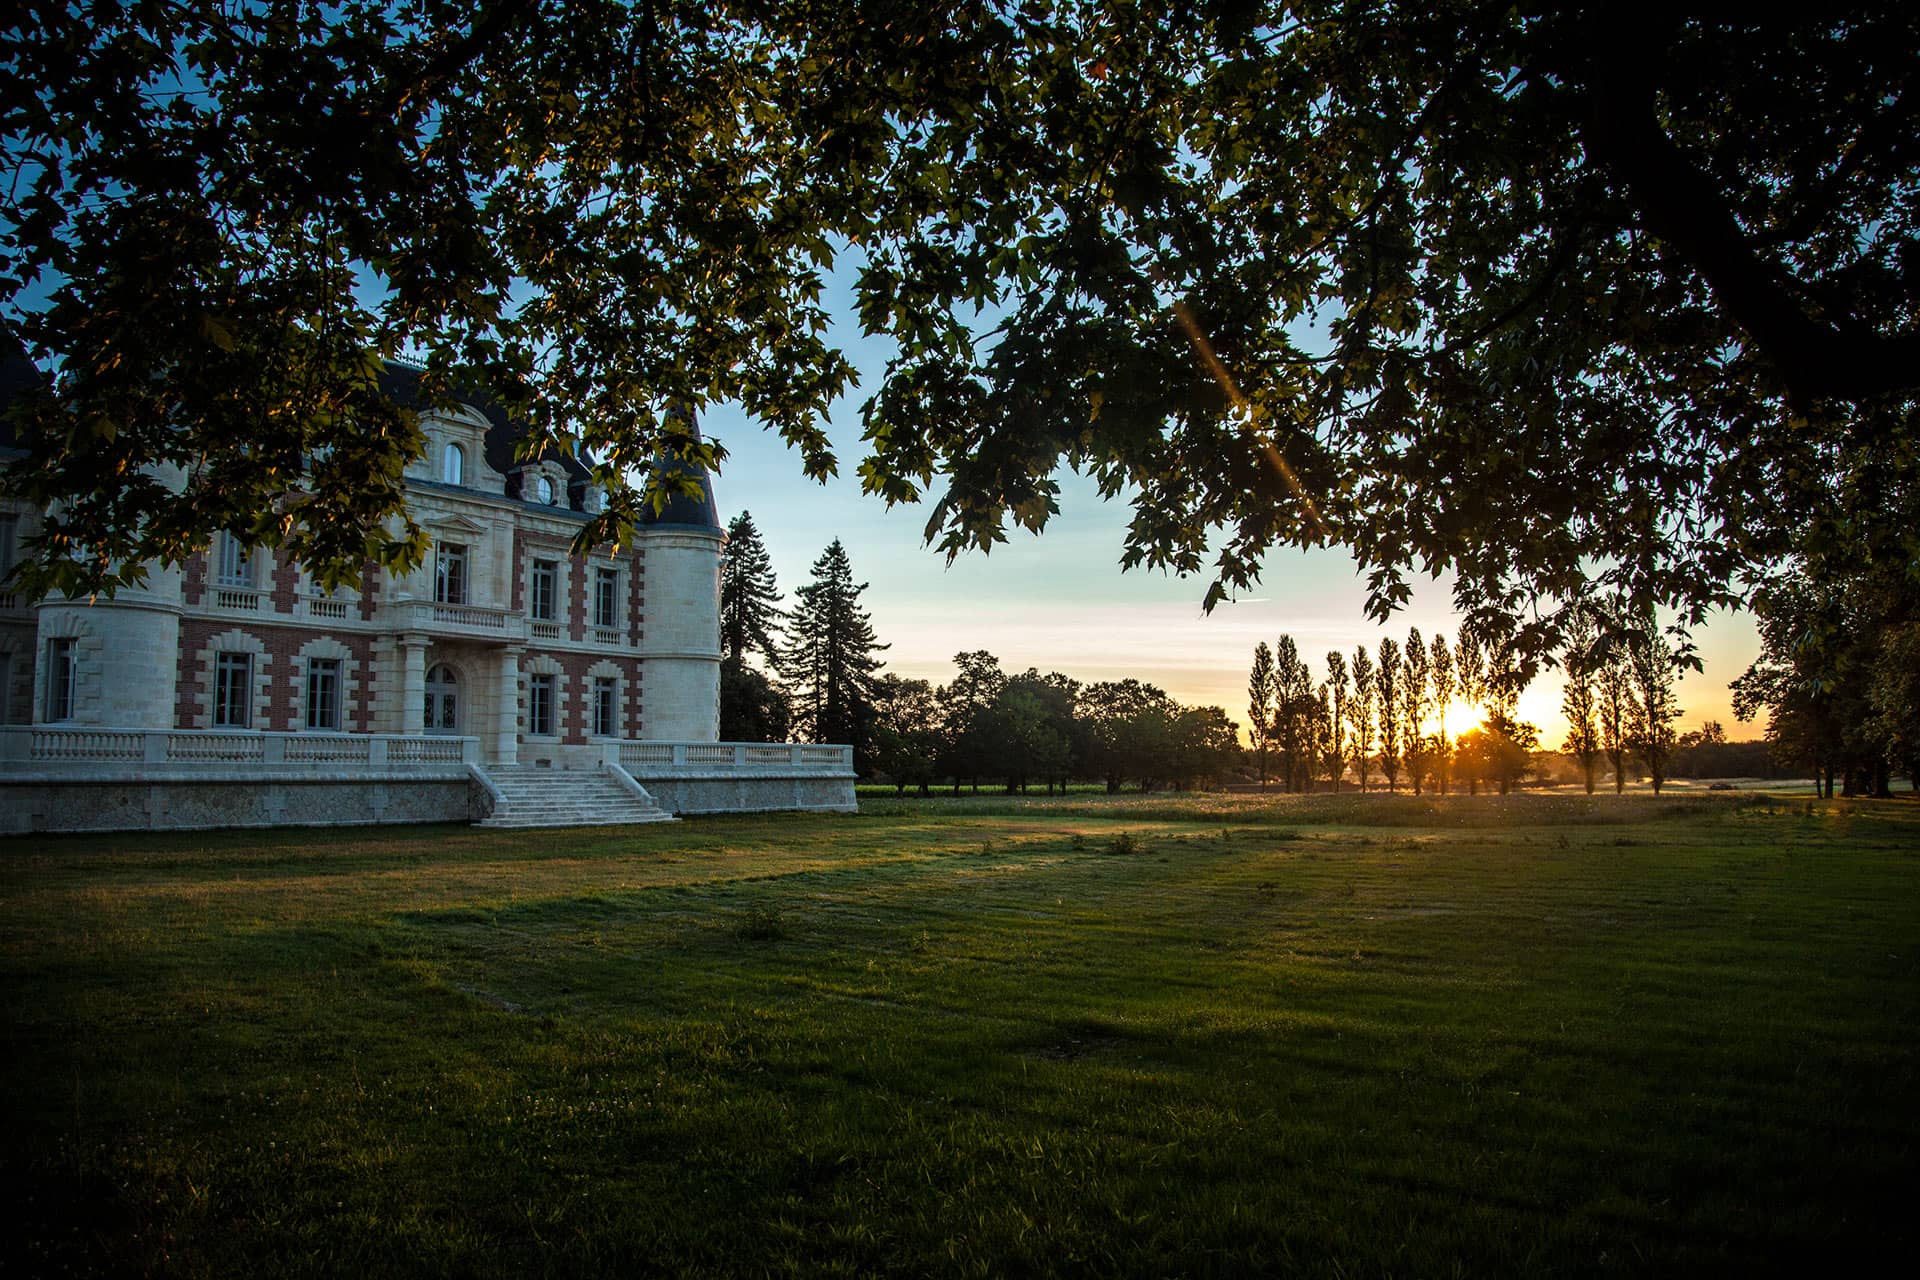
546, 590
236, 563
450, 574
233, 690
540, 706
61, 657
606, 597
606, 707
323, 693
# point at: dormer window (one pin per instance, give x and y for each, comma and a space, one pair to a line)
453, 466
543, 487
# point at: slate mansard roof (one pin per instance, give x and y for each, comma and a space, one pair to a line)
402, 382
18, 374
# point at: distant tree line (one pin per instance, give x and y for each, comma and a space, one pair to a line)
1384, 711
1619, 699
1019, 731
813, 671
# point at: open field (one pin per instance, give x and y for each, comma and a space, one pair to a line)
1336, 1035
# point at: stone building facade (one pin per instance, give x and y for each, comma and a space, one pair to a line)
504, 638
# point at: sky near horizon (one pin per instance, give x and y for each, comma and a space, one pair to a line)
1060, 602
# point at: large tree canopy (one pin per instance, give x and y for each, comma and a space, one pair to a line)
1555, 297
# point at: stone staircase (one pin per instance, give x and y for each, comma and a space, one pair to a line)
532, 796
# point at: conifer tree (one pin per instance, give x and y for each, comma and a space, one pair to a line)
831, 658
750, 613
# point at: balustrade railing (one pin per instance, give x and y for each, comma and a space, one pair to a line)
40, 746
470, 616
232, 598
641, 758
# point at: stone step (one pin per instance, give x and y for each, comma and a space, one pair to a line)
536, 797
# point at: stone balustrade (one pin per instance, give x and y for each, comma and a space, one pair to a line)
746, 758
55, 747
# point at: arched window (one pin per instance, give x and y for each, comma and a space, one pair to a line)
545, 489
454, 468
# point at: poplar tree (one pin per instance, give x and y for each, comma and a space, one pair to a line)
1389, 687
1337, 683
1440, 661
1360, 712
831, 658
1322, 756
1260, 693
1413, 693
1470, 668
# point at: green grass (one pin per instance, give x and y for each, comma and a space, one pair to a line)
1334, 1034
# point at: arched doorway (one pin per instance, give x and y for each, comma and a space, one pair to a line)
443, 700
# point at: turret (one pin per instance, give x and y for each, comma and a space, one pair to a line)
681, 646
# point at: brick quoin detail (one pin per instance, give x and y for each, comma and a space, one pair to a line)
522, 567
577, 598
286, 583
193, 581
362, 649
574, 665
187, 688
636, 596
369, 590
630, 719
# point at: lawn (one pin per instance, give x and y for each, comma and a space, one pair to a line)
1192, 1035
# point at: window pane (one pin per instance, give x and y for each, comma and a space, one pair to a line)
450, 574
540, 705
323, 693
236, 562
606, 595
60, 680
545, 580
605, 706
233, 690
455, 468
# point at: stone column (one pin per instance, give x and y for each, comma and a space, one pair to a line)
506, 743
413, 685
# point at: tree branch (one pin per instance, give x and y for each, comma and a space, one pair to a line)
491, 23
1815, 358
